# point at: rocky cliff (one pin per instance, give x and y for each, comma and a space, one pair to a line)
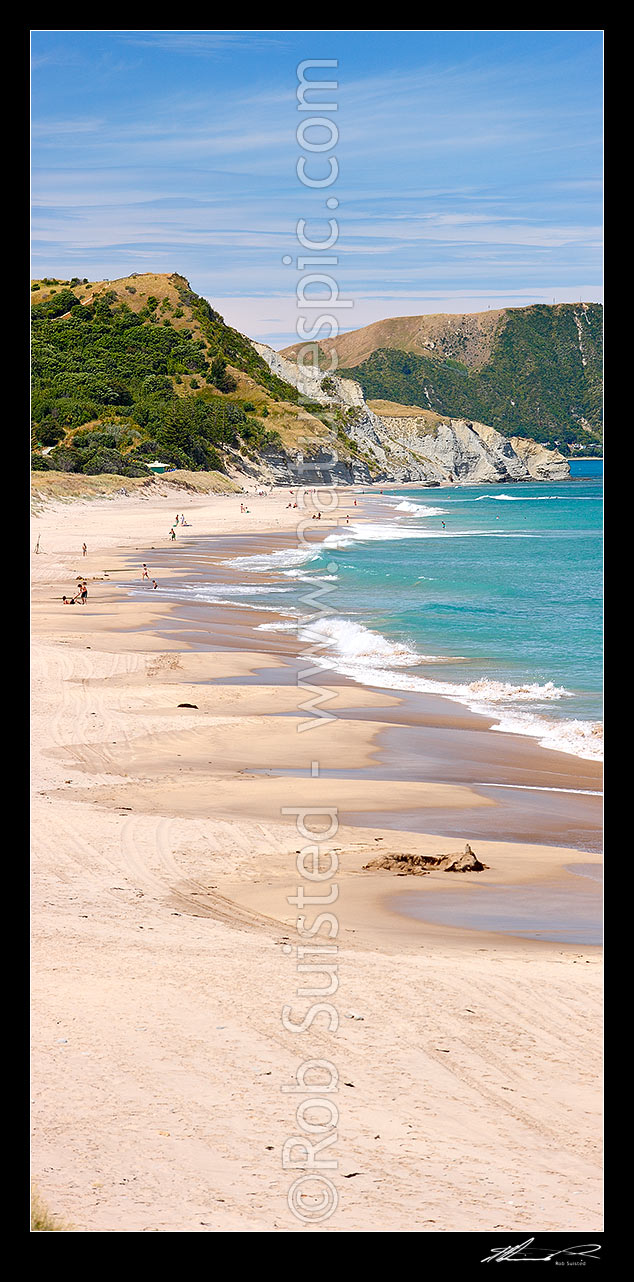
533, 372
405, 443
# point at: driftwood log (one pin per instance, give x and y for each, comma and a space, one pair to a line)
419, 865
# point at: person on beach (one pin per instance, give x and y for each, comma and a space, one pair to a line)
172, 533
84, 549
68, 600
83, 592
176, 521
145, 574
154, 584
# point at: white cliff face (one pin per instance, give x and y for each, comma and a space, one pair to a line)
409, 449
542, 463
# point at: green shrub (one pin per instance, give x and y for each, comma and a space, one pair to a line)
56, 305
94, 440
40, 463
50, 434
63, 459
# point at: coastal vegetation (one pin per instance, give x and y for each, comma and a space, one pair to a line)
121, 377
42, 1221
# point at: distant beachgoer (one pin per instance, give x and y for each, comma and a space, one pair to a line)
154, 584
145, 574
176, 521
83, 593
172, 533
443, 525
84, 549
68, 600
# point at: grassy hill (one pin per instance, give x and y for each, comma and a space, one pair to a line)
527, 371
141, 368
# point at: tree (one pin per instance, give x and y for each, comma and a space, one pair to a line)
224, 381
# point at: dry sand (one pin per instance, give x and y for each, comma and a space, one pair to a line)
164, 947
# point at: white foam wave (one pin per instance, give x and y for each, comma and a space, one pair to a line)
503, 691
263, 561
519, 498
358, 645
418, 509
233, 589
374, 532
290, 625
581, 738
309, 576
369, 658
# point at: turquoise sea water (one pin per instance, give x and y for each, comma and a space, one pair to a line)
489, 594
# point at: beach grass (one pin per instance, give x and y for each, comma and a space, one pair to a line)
42, 1220
66, 486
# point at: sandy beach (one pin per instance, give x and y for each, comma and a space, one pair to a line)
168, 996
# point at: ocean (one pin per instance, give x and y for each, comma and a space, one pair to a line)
491, 595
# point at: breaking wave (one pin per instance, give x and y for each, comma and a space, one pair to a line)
370, 658
418, 509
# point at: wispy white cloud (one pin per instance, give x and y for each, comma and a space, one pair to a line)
479, 174
200, 43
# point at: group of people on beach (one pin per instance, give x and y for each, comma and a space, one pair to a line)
179, 520
81, 595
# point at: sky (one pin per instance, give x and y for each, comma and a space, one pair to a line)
469, 168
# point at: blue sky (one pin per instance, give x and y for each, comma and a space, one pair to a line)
469, 166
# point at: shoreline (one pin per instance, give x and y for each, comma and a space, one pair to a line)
162, 800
